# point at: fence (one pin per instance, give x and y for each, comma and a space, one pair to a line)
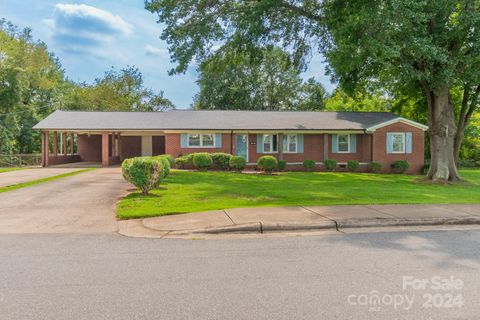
20, 160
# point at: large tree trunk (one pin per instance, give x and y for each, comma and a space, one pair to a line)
441, 121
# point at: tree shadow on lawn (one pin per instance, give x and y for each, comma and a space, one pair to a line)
445, 249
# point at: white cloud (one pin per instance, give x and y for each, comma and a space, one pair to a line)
154, 51
100, 18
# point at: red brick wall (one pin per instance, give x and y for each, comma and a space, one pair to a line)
60, 159
362, 154
416, 158
312, 149
90, 147
173, 146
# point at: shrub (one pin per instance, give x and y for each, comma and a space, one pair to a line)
330, 164
202, 161
401, 166
146, 173
166, 165
375, 166
237, 163
308, 165
170, 159
267, 163
282, 164
221, 160
353, 165
184, 161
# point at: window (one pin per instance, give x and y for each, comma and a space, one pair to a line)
290, 143
398, 142
198, 140
270, 143
343, 143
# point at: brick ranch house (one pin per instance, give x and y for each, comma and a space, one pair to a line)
293, 136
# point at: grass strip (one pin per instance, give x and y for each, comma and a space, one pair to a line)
38, 181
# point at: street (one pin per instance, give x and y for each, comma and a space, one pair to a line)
107, 276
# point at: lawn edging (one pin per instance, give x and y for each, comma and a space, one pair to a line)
43, 180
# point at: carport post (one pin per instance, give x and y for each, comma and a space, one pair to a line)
55, 141
72, 141
105, 161
45, 148
64, 143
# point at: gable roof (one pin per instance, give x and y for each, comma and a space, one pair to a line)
214, 120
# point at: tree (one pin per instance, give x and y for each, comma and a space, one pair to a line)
29, 75
116, 90
341, 101
432, 45
264, 80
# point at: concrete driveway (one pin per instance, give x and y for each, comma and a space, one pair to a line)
84, 203
20, 176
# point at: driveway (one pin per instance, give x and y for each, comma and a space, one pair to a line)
20, 176
84, 203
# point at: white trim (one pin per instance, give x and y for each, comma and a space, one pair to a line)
399, 119
271, 144
288, 143
338, 143
201, 140
403, 134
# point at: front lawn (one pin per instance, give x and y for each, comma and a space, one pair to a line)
185, 191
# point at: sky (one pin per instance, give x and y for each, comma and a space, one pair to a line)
90, 37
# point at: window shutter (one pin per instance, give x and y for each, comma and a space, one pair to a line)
408, 142
218, 140
299, 143
259, 143
389, 142
184, 140
353, 143
334, 143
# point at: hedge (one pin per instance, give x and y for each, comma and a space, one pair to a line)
146, 173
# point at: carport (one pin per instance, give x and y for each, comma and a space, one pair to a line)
107, 148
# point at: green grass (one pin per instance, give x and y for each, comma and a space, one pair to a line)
185, 191
38, 181
9, 169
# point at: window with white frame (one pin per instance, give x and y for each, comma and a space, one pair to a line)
270, 143
398, 142
290, 143
201, 140
343, 143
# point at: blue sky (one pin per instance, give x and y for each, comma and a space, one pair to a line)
89, 37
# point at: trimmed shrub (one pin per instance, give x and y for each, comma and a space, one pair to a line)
353, 165
202, 161
221, 160
145, 173
267, 163
375, 166
184, 161
170, 159
401, 166
237, 163
282, 164
330, 164
309, 165
166, 165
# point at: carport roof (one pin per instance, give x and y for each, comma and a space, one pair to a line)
216, 120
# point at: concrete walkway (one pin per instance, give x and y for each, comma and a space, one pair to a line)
271, 219
25, 175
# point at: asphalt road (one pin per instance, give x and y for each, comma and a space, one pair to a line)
323, 277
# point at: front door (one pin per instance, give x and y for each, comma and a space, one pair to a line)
242, 146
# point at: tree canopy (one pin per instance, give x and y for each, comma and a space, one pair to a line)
265, 80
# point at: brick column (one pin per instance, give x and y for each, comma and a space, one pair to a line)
55, 144
64, 143
119, 149
325, 147
105, 161
114, 144
46, 148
